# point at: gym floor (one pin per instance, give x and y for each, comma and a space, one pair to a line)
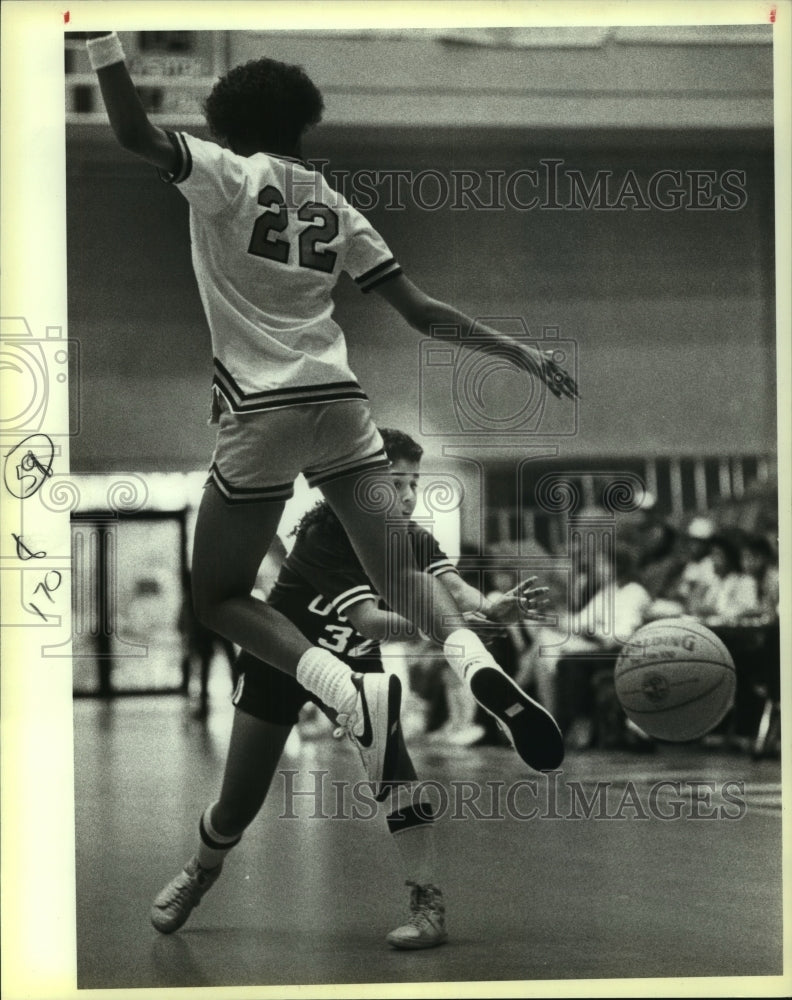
627, 891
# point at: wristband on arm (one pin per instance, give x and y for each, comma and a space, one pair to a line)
104, 51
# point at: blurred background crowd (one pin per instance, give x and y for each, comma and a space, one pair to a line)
721, 572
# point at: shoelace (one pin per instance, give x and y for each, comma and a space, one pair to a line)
346, 721
180, 890
424, 905
344, 725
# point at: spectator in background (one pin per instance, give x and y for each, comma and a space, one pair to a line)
584, 581
758, 560
451, 714
698, 575
662, 561
617, 608
565, 658
732, 594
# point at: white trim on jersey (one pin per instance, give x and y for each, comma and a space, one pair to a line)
352, 596
440, 566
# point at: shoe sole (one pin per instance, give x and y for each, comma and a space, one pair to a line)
531, 728
416, 945
169, 928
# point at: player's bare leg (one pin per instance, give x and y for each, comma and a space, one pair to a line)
410, 820
254, 751
382, 545
231, 541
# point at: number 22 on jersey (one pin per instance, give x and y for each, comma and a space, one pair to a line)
266, 241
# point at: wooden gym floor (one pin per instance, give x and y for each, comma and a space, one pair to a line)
309, 900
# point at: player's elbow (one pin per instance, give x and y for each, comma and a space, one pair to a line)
424, 314
129, 139
135, 138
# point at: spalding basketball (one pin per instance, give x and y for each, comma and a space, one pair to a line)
675, 679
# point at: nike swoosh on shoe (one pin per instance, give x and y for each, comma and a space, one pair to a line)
367, 736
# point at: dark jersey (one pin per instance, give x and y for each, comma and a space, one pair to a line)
322, 578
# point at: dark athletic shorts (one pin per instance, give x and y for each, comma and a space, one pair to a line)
270, 695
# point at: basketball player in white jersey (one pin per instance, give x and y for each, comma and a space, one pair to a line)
269, 241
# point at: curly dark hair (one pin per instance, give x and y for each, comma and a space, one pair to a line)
264, 104
398, 446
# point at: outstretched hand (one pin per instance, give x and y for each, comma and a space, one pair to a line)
557, 379
523, 602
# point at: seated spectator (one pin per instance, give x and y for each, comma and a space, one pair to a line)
564, 659
698, 575
585, 580
758, 560
662, 561
617, 608
732, 594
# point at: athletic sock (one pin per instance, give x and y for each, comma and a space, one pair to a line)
466, 654
328, 678
213, 846
411, 822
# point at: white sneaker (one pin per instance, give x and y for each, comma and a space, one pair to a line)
181, 895
531, 729
373, 727
425, 927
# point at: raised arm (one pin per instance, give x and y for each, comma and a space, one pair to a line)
430, 316
128, 117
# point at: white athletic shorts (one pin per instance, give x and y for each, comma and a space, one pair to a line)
259, 455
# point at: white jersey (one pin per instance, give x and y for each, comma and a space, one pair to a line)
270, 239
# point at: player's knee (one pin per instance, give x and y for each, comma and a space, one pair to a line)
206, 607
232, 821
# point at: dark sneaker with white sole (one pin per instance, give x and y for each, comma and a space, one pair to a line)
531, 729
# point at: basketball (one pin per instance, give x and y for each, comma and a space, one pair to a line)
675, 679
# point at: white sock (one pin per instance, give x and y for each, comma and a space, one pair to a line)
411, 822
328, 678
466, 653
213, 846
